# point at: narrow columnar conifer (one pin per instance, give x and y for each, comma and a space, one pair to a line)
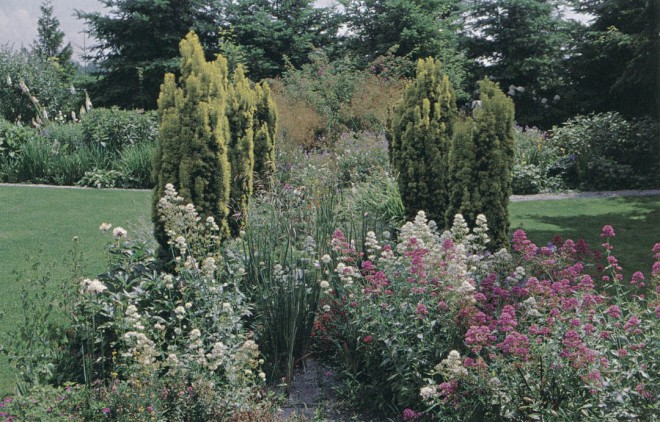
481, 163
461, 163
241, 107
265, 129
194, 132
420, 131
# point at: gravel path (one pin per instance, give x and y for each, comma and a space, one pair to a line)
575, 195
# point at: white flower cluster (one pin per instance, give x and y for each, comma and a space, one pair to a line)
423, 231
530, 307
372, 246
93, 286
452, 366
119, 233
141, 347
428, 392
346, 273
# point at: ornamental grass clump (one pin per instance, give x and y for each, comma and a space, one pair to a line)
281, 250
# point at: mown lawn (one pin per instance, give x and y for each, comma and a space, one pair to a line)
38, 224
636, 222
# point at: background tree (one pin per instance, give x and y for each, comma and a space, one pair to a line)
412, 29
272, 33
138, 44
522, 44
50, 38
419, 135
192, 152
618, 65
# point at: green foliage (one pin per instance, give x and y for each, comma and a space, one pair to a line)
194, 138
265, 131
413, 29
535, 155
41, 161
12, 139
608, 152
324, 99
42, 82
241, 106
71, 134
522, 44
135, 165
138, 44
124, 327
481, 163
117, 129
616, 65
419, 137
494, 157
461, 169
272, 34
282, 253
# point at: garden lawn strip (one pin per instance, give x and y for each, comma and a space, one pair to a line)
636, 222
40, 224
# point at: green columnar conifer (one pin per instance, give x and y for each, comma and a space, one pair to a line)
241, 107
461, 162
265, 128
419, 134
193, 137
494, 156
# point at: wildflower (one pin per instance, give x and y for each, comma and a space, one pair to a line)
452, 366
507, 321
465, 288
119, 233
421, 310
515, 344
209, 266
105, 410
368, 339
104, 227
631, 323
93, 286
180, 311
326, 259
614, 311
637, 277
607, 231
195, 334
428, 392
410, 415
324, 284
326, 308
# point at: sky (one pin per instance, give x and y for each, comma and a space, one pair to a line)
18, 21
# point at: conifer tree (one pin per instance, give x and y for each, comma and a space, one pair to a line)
241, 107
460, 166
265, 129
192, 152
481, 163
419, 135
